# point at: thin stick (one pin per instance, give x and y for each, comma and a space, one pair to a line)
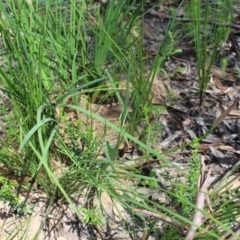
197, 219
163, 218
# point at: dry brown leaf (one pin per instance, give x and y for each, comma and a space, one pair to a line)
219, 83
225, 75
234, 112
205, 147
216, 152
160, 89
227, 148
220, 157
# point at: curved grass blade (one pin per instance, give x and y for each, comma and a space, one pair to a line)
33, 130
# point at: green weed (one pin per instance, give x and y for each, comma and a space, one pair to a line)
188, 190
8, 194
92, 216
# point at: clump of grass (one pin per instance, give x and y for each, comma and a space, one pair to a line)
50, 52
61, 59
210, 29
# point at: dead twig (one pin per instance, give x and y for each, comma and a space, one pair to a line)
203, 169
197, 219
162, 217
225, 113
206, 147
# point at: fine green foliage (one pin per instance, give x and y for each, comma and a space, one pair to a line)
192, 177
92, 216
7, 194
60, 59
